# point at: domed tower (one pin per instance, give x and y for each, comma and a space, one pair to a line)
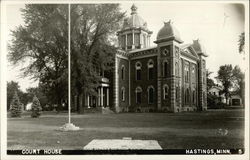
169, 66
134, 33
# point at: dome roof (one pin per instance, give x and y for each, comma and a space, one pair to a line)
134, 21
168, 31
198, 47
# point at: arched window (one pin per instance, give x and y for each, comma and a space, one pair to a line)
138, 95
138, 70
150, 69
187, 96
186, 72
123, 72
123, 94
150, 95
165, 91
176, 93
165, 68
193, 72
194, 97
204, 98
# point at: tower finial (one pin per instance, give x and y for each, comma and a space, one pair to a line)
168, 22
133, 9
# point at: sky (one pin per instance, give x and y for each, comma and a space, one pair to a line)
216, 25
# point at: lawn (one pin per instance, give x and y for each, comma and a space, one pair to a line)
209, 129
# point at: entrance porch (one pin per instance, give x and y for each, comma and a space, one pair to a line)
102, 98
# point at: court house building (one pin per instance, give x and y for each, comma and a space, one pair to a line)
169, 77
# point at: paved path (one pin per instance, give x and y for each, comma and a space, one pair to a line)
122, 144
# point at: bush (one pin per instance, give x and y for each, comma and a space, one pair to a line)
214, 102
36, 108
15, 106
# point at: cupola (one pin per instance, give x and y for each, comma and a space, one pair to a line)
134, 33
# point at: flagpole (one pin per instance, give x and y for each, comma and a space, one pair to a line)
69, 70
69, 126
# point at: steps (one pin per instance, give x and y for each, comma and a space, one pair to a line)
107, 110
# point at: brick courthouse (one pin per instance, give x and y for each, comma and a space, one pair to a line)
168, 77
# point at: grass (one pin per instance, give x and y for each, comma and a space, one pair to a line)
210, 129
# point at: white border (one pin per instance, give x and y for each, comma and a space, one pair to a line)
108, 157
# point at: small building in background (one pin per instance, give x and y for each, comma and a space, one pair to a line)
235, 100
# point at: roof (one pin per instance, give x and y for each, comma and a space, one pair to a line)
168, 31
199, 48
188, 50
142, 49
135, 21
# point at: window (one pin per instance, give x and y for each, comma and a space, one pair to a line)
150, 69
123, 41
204, 98
194, 97
144, 40
193, 72
129, 41
176, 69
150, 95
176, 94
138, 93
186, 72
123, 72
137, 41
165, 69
165, 91
123, 93
165, 52
204, 77
187, 95
138, 70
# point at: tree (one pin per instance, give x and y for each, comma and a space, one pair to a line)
242, 42
39, 93
43, 41
41, 44
239, 82
93, 27
210, 81
36, 108
225, 76
13, 87
15, 106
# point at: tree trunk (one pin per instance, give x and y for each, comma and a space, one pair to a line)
81, 111
58, 93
